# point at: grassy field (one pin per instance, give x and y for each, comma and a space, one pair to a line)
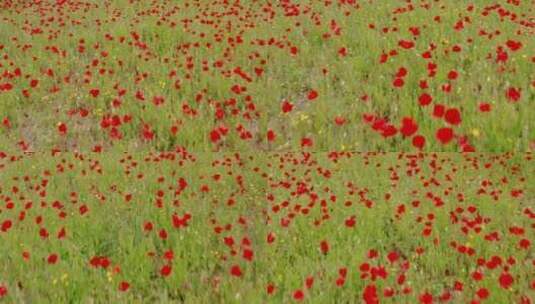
246, 151
236, 228
268, 75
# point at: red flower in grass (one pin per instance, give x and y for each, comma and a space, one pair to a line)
370, 295
444, 135
324, 246
298, 295
426, 298
393, 256
506, 280
309, 281
406, 44
453, 116
62, 128
215, 136
270, 289
418, 141
484, 107
452, 75
312, 95
248, 254
524, 244
6, 225
513, 45
306, 142
270, 237
402, 72
271, 135
94, 92
168, 255
124, 286
287, 106
6, 122
339, 120
398, 82
147, 133
408, 127
513, 94
158, 100
3, 291
52, 259
438, 110
483, 293
425, 99
350, 222
236, 271
165, 271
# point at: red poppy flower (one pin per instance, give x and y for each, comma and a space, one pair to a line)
398, 82
158, 100
350, 222
406, 44
418, 141
312, 95
270, 237
425, 99
165, 270
426, 298
438, 110
298, 295
271, 135
339, 120
402, 72
215, 136
248, 254
513, 94
484, 107
506, 280
270, 289
370, 295
6, 225
309, 281
324, 246
62, 128
287, 107
306, 142
444, 135
482, 293
124, 286
235, 270
452, 75
513, 45
453, 116
393, 256
524, 244
6, 122
168, 255
408, 127
52, 259
94, 92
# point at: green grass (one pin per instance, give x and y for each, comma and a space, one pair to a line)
211, 130
34, 119
114, 228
